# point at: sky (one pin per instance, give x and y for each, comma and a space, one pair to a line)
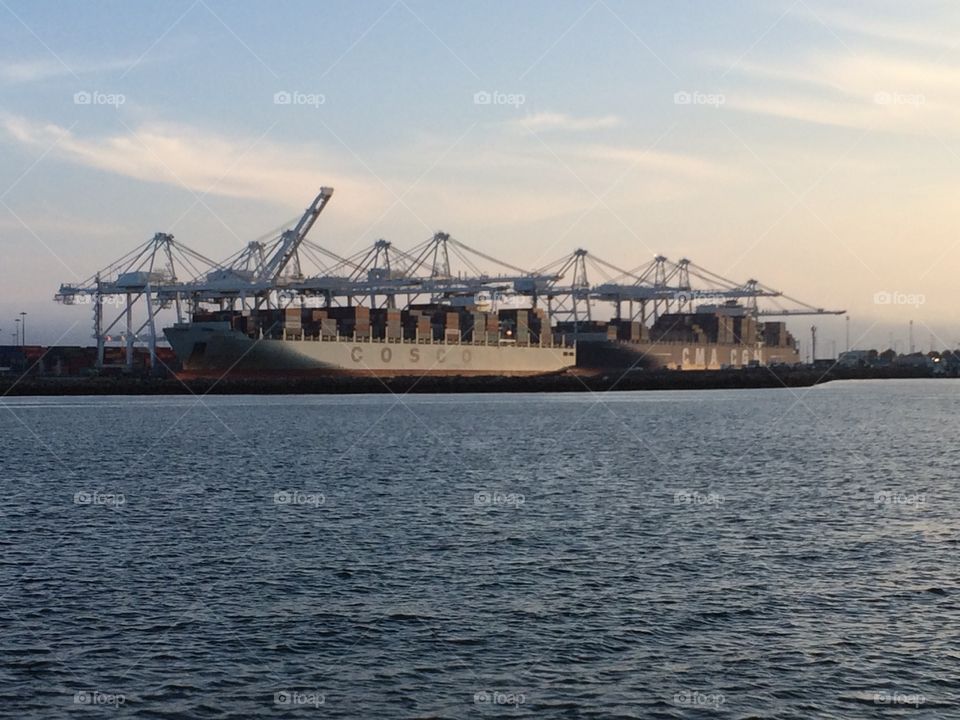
811, 145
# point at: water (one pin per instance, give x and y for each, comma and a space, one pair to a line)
767, 554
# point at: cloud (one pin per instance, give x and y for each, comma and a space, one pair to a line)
808, 109
461, 190
867, 90
498, 182
199, 162
45, 225
873, 20
886, 66
561, 121
36, 70
667, 164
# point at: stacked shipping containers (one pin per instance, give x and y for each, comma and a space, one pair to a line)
451, 327
432, 322
745, 329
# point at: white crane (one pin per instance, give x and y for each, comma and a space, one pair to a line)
290, 240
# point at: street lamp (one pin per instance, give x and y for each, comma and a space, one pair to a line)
17, 333
23, 327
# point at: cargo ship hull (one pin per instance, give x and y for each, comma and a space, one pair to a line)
652, 355
715, 337
214, 349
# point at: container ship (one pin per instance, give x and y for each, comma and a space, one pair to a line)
419, 340
714, 337
438, 339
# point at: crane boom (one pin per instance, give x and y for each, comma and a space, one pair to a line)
290, 240
787, 313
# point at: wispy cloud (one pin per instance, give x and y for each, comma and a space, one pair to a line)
882, 65
560, 121
666, 164
197, 161
511, 177
928, 24
46, 225
873, 89
39, 69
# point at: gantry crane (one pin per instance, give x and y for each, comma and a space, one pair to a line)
167, 274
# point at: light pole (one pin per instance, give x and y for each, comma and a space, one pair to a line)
23, 326
17, 333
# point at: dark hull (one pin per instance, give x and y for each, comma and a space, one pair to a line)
647, 355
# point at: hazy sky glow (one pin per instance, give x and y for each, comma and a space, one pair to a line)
812, 145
